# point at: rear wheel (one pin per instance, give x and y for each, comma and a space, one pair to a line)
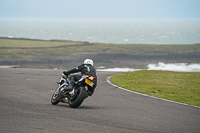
54, 99
78, 98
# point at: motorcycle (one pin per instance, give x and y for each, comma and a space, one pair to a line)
74, 97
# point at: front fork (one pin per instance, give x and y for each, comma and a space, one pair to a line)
62, 83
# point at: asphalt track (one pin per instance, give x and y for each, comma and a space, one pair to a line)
25, 107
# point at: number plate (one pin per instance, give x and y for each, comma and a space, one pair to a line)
90, 83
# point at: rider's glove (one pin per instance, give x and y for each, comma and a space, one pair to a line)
66, 73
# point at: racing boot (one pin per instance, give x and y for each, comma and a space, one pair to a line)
70, 86
88, 93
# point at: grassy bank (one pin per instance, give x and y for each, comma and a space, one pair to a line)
176, 86
30, 49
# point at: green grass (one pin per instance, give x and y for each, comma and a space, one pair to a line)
176, 86
32, 49
20, 43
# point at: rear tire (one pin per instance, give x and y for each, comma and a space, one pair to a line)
76, 101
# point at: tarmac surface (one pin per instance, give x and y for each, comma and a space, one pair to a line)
25, 107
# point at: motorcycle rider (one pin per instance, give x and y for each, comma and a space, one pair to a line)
86, 69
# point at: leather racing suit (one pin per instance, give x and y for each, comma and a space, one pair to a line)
84, 69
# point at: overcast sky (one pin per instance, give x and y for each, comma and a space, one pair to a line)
100, 9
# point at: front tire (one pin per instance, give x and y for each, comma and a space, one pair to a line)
79, 97
54, 99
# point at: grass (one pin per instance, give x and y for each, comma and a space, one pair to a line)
21, 43
32, 49
176, 86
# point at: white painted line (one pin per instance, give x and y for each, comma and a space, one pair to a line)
108, 81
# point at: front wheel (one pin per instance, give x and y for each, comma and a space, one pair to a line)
78, 98
54, 99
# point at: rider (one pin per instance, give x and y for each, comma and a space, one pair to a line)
86, 69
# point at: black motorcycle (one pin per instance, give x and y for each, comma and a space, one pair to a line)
73, 97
